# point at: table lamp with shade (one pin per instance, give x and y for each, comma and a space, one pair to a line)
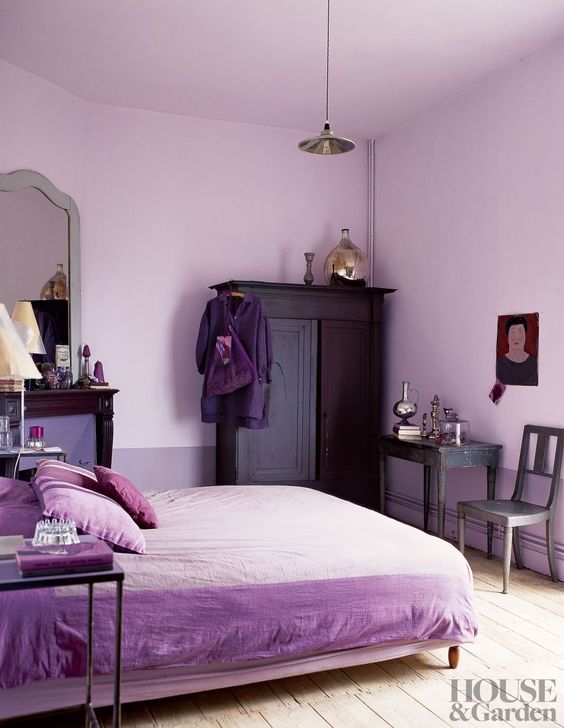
16, 363
23, 317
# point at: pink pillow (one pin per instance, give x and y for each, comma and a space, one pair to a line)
67, 473
92, 512
123, 491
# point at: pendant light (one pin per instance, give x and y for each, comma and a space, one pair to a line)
326, 142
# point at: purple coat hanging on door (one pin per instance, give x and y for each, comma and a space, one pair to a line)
245, 406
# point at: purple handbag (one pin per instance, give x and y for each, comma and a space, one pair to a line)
230, 367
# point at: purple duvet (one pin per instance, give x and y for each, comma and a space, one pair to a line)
236, 573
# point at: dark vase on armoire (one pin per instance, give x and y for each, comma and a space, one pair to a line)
324, 398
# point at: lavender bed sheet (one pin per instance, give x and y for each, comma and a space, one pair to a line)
239, 573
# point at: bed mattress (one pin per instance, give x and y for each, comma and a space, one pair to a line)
242, 573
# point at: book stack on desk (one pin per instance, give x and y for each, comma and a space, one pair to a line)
406, 432
71, 559
8, 384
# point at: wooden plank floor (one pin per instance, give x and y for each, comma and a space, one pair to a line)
521, 637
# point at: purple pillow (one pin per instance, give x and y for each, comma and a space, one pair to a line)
92, 512
71, 474
123, 491
19, 508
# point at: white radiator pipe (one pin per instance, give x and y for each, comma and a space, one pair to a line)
371, 208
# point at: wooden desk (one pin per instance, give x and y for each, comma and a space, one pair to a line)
443, 458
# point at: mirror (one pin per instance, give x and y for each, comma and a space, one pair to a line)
39, 228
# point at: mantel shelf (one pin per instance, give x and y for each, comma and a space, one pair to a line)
66, 402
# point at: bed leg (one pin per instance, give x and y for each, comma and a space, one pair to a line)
453, 656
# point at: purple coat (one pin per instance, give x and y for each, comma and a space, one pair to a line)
244, 407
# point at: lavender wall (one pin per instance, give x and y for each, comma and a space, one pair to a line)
469, 226
41, 128
170, 205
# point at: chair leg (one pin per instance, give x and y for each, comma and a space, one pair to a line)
507, 539
517, 548
550, 549
461, 524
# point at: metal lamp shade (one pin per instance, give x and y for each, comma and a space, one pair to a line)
326, 143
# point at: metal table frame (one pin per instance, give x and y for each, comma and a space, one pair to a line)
443, 458
10, 459
11, 580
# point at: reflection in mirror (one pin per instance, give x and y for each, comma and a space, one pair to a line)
33, 238
39, 231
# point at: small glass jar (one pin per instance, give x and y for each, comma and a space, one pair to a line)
64, 375
453, 432
35, 440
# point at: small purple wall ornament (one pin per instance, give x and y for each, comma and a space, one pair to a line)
99, 372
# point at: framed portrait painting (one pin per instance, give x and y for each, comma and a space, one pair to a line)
518, 349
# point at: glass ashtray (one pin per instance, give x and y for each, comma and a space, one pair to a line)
54, 534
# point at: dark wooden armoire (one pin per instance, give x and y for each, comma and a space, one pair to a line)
324, 398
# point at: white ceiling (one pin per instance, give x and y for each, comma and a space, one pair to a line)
263, 62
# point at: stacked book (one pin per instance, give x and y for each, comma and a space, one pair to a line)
92, 555
11, 385
407, 432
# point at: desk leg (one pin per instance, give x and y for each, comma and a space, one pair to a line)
492, 471
117, 666
382, 482
88, 711
441, 490
426, 495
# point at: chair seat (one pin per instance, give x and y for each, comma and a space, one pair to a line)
505, 512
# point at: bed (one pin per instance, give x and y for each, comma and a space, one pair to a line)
238, 584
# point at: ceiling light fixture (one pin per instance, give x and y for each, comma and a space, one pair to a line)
326, 142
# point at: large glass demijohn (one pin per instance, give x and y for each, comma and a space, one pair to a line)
346, 263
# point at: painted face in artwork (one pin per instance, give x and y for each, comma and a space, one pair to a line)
516, 337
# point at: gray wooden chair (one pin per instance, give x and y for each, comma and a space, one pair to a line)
514, 513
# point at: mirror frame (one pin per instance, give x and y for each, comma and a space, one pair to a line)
23, 178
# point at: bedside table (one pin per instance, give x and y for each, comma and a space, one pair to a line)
12, 580
10, 459
441, 457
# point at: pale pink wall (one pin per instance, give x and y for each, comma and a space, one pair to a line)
168, 206
174, 204
41, 128
470, 225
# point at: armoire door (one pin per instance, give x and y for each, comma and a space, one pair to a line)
285, 451
345, 400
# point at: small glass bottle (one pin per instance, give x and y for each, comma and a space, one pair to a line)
65, 377
56, 287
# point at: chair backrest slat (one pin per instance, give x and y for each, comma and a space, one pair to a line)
541, 465
540, 453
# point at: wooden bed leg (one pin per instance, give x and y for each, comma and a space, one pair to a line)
454, 656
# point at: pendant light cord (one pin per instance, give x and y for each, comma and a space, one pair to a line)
327, 70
